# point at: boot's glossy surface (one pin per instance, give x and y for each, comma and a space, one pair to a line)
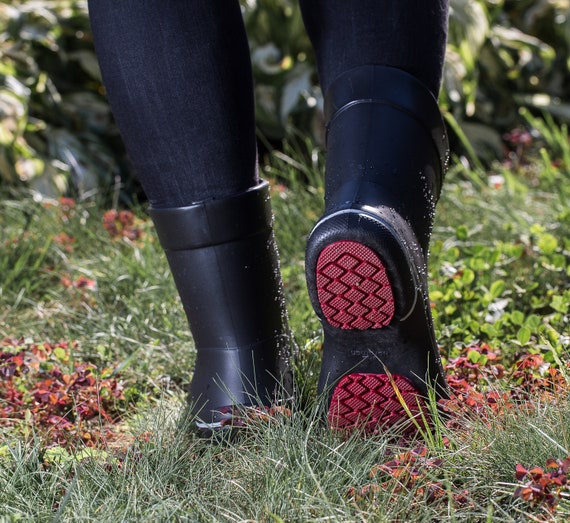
367, 256
223, 257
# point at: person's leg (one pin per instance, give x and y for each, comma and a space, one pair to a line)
179, 81
406, 34
178, 77
380, 65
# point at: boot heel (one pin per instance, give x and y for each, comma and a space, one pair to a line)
353, 288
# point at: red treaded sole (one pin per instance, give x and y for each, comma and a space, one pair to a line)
353, 288
369, 402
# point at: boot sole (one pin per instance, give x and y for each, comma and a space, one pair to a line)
366, 289
354, 292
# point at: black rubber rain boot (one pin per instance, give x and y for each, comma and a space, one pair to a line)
367, 256
223, 257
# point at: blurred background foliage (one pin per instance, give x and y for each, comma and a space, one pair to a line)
57, 134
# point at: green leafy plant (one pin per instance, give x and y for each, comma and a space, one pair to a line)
503, 55
57, 134
56, 131
284, 69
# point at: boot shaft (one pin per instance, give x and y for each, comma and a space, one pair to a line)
386, 145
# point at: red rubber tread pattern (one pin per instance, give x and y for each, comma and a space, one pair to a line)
369, 402
353, 288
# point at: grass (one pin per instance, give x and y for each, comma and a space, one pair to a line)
102, 310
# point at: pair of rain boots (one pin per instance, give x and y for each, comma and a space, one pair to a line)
366, 267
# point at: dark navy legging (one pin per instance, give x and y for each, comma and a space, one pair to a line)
179, 80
